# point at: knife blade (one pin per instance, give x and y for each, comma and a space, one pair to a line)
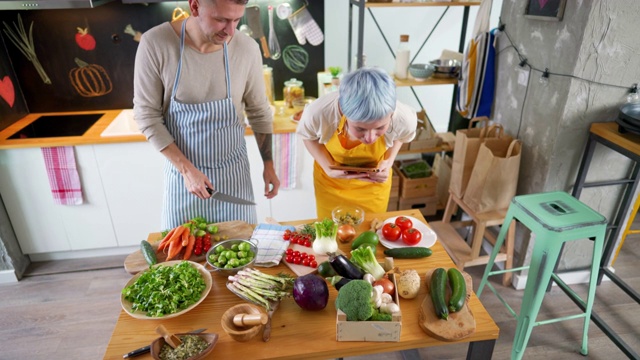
228, 198
255, 23
146, 349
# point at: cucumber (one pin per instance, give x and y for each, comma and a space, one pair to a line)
438, 289
458, 290
408, 252
148, 252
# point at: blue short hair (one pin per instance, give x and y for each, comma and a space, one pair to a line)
367, 94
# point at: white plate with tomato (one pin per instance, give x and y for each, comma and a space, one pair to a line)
418, 234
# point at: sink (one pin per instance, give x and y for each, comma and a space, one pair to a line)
122, 125
49, 126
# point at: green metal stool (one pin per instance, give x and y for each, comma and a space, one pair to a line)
555, 218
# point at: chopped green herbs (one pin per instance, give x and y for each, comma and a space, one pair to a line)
192, 345
164, 290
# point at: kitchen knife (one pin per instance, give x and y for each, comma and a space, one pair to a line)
147, 348
228, 198
253, 19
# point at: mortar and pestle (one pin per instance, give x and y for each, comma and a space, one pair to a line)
243, 321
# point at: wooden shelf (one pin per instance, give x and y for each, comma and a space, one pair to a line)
443, 147
430, 81
428, 3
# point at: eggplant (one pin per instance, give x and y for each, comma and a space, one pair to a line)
338, 281
344, 267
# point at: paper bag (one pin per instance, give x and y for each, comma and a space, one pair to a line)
494, 178
442, 169
466, 149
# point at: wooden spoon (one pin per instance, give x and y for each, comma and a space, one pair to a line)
171, 339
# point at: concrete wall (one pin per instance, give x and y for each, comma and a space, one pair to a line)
595, 41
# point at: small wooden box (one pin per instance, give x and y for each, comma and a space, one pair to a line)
420, 187
395, 183
379, 331
427, 205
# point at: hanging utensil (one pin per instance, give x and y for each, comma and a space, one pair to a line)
274, 47
253, 18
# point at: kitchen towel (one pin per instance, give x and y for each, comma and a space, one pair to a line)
63, 175
284, 155
271, 246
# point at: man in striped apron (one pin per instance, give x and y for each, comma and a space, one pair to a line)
207, 147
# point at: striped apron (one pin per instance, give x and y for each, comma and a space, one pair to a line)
212, 138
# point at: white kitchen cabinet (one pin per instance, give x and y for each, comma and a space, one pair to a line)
42, 226
133, 183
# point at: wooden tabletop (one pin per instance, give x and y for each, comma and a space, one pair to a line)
282, 123
298, 333
609, 131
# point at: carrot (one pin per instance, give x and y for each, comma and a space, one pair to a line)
175, 243
185, 237
163, 243
189, 248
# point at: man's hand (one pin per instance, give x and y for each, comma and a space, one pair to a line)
271, 182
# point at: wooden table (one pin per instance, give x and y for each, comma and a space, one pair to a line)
298, 334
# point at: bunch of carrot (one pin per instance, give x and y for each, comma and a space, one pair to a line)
183, 237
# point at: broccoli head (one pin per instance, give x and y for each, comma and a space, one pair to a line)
380, 316
354, 299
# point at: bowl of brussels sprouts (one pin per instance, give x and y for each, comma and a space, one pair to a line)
230, 256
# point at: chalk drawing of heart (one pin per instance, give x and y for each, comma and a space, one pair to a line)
6, 91
542, 3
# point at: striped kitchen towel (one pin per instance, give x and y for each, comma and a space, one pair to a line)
271, 246
284, 159
63, 175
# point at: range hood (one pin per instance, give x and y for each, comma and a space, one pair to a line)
49, 4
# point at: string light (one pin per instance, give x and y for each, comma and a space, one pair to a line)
544, 79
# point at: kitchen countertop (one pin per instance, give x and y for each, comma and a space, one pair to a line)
282, 124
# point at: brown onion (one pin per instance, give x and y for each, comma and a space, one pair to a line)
387, 285
346, 233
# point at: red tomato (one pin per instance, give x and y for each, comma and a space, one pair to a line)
411, 236
391, 231
307, 243
85, 40
404, 222
313, 264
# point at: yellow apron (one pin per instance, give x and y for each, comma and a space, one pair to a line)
331, 192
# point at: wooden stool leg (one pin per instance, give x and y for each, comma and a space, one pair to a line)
449, 210
479, 227
509, 245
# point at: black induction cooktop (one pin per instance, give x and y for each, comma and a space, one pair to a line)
48, 126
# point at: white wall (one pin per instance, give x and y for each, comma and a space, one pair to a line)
417, 22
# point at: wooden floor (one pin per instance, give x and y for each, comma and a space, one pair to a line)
71, 315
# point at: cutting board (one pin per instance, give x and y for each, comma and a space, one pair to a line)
458, 326
135, 262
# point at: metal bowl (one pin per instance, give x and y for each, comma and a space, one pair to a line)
446, 67
421, 71
227, 245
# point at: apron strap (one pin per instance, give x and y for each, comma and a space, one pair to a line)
226, 64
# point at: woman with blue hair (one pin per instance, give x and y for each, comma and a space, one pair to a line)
360, 125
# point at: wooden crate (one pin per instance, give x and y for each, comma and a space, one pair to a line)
395, 184
421, 187
393, 204
378, 331
428, 205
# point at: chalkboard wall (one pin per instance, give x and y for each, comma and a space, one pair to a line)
110, 63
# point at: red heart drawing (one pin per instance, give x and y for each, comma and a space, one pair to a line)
542, 3
6, 91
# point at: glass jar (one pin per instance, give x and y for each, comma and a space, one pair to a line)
292, 90
267, 73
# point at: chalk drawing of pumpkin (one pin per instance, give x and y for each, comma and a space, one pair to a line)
90, 80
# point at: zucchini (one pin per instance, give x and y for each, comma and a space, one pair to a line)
438, 289
458, 290
148, 252
408, 252
344, 267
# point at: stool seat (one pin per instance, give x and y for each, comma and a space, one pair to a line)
558, 211
554, 218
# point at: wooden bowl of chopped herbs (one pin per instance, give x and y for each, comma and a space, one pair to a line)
193, 347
